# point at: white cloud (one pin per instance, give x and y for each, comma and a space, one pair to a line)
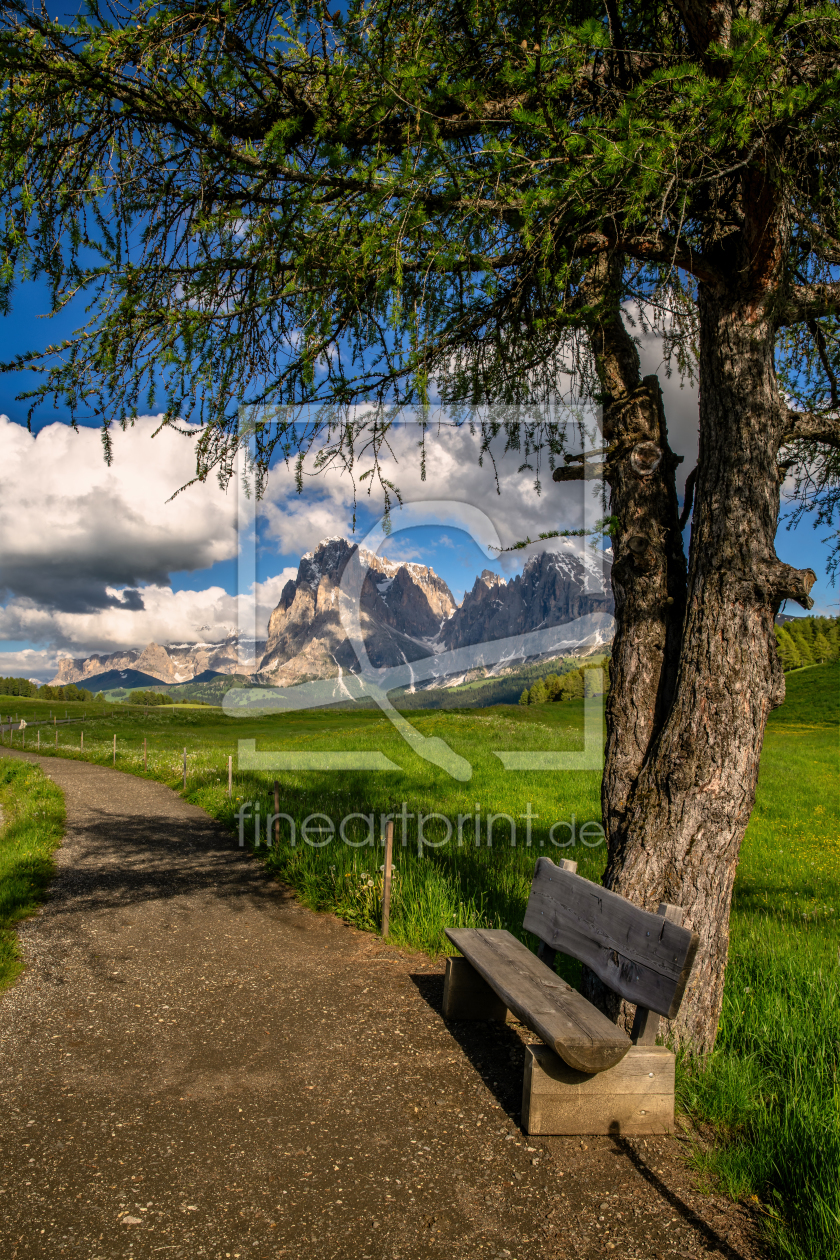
74, 527
28, 663
298, 523
167, 616
86, 550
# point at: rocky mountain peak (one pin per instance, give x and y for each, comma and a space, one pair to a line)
175, 663
554, 587
403, 606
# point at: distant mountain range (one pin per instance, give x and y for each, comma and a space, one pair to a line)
406, 614
176, 663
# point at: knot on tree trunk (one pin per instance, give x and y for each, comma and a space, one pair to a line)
645, 458
641, 556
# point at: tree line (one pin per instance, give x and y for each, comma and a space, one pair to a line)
591, 679
146, 698
801, 641
808, 641
26, 689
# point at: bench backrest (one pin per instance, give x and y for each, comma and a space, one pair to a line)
644, 957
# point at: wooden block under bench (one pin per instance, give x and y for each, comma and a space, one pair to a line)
467, 996
634, 1097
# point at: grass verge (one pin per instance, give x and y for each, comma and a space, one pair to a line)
770, 1092
31, 829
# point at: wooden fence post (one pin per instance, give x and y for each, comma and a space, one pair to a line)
386, 883
81, 741
185, 769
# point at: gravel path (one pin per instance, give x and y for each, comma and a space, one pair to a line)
194, 1065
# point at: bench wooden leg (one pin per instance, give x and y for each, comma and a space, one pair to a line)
467, 996
634, 1097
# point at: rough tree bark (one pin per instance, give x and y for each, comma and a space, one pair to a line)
649, 568
689, 702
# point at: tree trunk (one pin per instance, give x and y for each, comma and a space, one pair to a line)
649, 569
675, 831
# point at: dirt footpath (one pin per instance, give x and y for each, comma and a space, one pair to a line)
193, 1065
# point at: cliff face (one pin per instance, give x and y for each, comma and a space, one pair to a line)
555, 587
402, 607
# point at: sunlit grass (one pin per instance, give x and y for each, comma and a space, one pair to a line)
30, 830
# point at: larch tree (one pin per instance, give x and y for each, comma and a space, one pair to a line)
289, 207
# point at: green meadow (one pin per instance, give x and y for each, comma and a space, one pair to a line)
767, 1102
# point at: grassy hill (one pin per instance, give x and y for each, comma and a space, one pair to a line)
483, 692
811, 695
475, 694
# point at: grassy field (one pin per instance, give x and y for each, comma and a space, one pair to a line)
31, 825
770, 1091
438, 886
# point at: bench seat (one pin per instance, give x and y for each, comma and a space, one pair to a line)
560, 1016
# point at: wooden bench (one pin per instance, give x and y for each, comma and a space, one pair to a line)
588, 1077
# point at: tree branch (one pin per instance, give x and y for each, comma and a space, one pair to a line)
808, 427
822, 350
581, 472
660, 249
784, 582
810, 301
829, 245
